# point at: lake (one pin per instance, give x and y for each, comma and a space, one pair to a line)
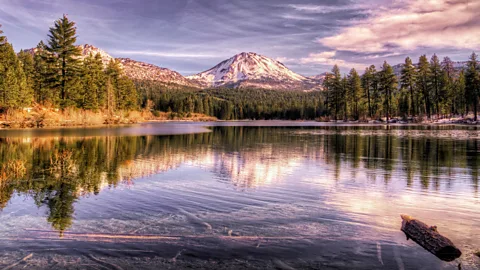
236, 195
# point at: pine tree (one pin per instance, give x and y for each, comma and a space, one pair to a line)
336, 90
64, 73
461, 98
26, 59
435, 82
368, 83
344, 97
423, 72
356, 90
408, 79
448, 84
13, 83
100, 79
388, 84
472, 82
42, 91
88, 96
93, 93
125, 92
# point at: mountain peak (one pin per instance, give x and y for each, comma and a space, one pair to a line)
248, 67
88, 49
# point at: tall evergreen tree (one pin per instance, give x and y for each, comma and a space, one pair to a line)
93, 93
388, 84
14, 92
26, 59
64, 74
124, 89
472, 82
435, 82
461, 98
367, 79
344, 97
42, 92
333, 84
408, 79
423, 72
448, 86
356, 90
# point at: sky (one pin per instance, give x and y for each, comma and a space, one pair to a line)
308, 36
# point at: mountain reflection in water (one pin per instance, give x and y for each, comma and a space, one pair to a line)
361, 177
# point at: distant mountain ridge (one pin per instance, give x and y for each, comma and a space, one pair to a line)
244, 70
143, 71
134, 69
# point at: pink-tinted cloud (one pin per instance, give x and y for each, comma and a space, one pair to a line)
409, 24
329, 58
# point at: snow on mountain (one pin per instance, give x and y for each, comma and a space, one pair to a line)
252, 70
143, 71
88, 49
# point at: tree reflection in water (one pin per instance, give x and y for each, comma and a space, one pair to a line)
58, 171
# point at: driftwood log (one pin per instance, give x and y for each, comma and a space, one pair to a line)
430, 239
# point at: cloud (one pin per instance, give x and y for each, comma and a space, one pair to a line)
410, 24
324, 9
329, 58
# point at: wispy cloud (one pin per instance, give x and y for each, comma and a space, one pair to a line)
324, 9
329, 58
411, 24
163, 54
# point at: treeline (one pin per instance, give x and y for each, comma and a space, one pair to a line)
233, 104
57, 75
429, 88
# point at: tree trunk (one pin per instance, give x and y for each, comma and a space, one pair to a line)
64, 76
412, 102
430, 239
475, 103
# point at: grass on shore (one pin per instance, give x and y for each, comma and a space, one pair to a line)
171, 116
49, 117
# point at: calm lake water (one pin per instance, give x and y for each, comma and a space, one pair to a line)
243, 195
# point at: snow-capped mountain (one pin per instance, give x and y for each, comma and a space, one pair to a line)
252, 70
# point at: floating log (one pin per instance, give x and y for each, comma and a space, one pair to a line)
430, 239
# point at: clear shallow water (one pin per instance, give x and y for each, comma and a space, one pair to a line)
266, 195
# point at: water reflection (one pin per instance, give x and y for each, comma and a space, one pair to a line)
57, 172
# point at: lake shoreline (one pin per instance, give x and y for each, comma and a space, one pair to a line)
15, 126
39, 118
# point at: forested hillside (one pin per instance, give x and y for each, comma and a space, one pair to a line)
233, 104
